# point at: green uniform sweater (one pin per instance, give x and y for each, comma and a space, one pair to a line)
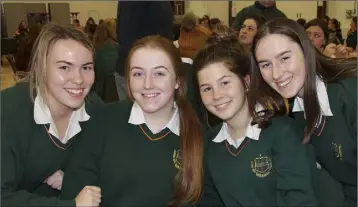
28, 155
271, 171
130, 169
335, 140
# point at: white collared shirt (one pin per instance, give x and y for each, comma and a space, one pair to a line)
322, 100
137, 118
187, 60
252, 132
42, 115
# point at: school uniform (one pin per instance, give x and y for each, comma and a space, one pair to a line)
335, 137
31, 150
266, 167
133, 165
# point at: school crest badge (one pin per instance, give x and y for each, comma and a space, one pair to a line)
176, 158
261, 166
337, 150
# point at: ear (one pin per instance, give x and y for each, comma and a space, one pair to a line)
177, 85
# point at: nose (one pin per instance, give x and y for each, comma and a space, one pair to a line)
310, 37
276, 72
217, 94
148, 82
77, 77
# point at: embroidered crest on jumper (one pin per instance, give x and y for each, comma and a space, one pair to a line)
261, 166
176, 158
337, 150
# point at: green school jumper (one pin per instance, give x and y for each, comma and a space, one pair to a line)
28, 155
335, 140
132, 166
271, 171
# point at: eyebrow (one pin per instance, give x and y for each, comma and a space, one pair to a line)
276, 56
224, 76
156, 67
69, 63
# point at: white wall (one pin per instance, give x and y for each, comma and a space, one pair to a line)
97, 9
215, 9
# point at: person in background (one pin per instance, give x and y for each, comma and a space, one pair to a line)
334, 27
77, 24
205, 22
100, 21
137, 20
326, 19
24, 49
325, 105
149, 151
266, 8
318, 34
90, 28
106, 50
21, 30
301, 21
42, 120
351, 41
215, 24
192, 36
249, 29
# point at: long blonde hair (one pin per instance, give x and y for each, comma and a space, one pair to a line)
49, 35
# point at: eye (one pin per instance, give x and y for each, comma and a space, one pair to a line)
87, 68
317, 36
137, 74
206, 89
64, 67
159, 73
224, 83
283, 59
250, 29
265, 65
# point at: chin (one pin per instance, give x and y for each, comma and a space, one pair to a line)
74, 104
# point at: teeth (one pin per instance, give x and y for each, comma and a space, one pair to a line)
150, 95
222, 105
74, 91
285, 83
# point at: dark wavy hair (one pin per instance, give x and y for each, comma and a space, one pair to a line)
224, 47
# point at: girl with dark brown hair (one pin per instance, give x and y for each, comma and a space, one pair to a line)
325, 98
150, 151
249, 160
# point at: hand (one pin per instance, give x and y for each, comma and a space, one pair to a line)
341, 51
330, 50
90, 196
55, 180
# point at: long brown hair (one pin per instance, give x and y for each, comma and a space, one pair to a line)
104, 34
49, 35
224, 47
188, 182
316, 64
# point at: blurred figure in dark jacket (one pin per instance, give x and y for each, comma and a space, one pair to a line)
22, 57
135, 21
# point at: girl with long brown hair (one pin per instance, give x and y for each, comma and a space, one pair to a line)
325, 99
150, 151
249, 160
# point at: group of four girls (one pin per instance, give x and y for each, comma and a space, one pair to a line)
62, 147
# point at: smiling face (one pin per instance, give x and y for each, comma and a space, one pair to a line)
152, 79
222, 92
70, 74
248, 31
282, 64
